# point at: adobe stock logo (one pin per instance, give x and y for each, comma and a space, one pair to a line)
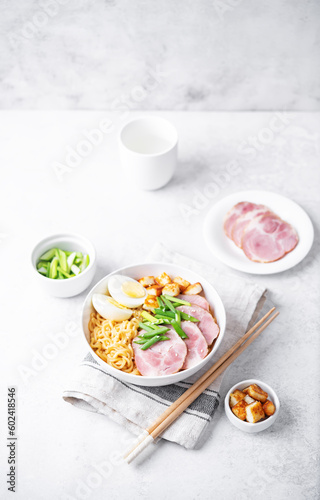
265, 136
218, 180
200, 199
40, 359
121, 107
33, 27
83, 148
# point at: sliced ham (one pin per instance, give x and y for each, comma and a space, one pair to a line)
237, 211
208, 326
197, 347
198, 300
267, 238
242, 222
163, 358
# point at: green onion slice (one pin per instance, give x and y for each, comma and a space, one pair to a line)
165, 321
152, 325
42, 270
43, 263
164, 314
178, 317
84, 263
175, 299
187, 317
146, 328
150, 335
152, 341
168, 304
53, 271
70, 259
61, 271
62, 260
75, 269
159, 300
147, 316
179, 330
49, 254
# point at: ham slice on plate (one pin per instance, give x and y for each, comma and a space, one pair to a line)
197, 347
198, 300
237, 211
207, 325
163, 358
261, 234
267, 238
242, 222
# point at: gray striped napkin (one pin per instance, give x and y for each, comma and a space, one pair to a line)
136, 407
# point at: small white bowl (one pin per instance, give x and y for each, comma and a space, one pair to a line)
68, 242
154, 269
247, 426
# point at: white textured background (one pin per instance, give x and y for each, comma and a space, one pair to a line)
165, 54
59, 445
159, 54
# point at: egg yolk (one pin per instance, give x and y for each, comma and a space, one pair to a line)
133, 289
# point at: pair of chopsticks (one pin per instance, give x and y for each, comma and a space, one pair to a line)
170, 414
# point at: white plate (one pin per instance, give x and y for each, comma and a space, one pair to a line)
226, 251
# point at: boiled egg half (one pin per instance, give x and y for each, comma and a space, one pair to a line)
109, 308
126, 291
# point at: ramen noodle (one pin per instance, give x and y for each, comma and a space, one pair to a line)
112, 341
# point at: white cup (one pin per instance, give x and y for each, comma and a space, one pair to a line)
148, 151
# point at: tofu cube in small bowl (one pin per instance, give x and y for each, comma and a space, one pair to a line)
252, 406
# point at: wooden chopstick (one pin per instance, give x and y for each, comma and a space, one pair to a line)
171, 413
199, 382
205, 384
211, 370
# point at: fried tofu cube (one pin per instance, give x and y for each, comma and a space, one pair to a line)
240, 409
154, 290
248, 399
147, 281
269, 408
254, 412
150, 303
183, 284
163, 279
236, 396
172, 289
256, 392
193, 289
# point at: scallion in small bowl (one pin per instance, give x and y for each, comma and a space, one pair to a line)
61, 264
65, 264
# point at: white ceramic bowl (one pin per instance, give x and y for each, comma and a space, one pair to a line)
154, 269
68, 242
247, 426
